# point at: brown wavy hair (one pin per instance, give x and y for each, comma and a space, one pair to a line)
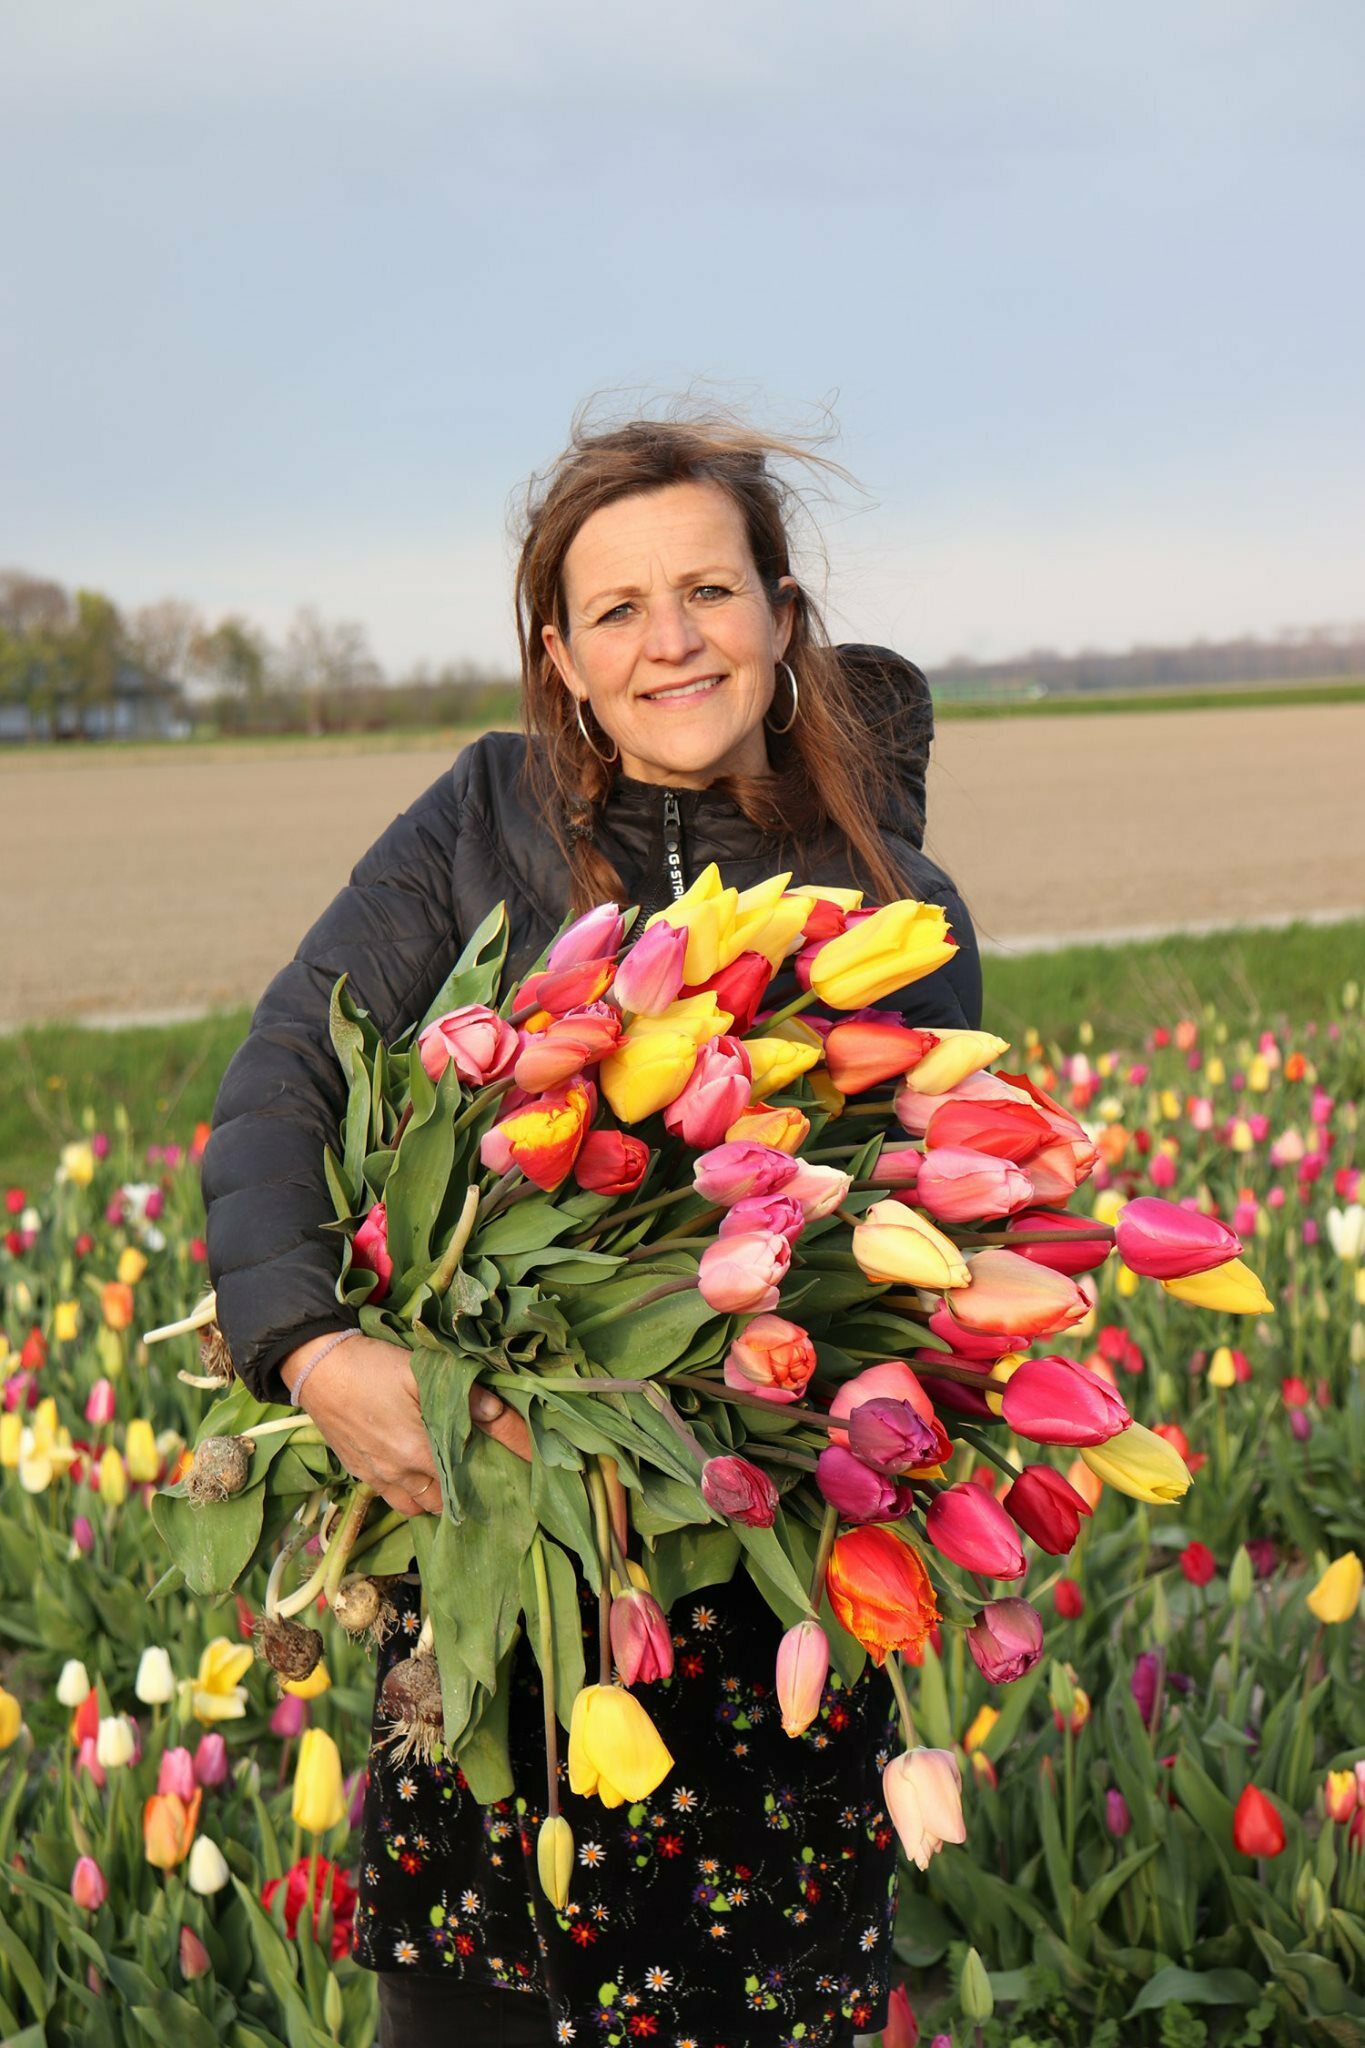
828, 770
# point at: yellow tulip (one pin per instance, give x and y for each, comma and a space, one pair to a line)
1107, 1206
317, 1681
1258, 1074
898, 944
216, 1691
11, 1436
1231, 1287
1222, 1372
77, 1164
319, 1795
1336, 1596
1215, 1073
11, 1718
786, 1130
1170, 1105
648, 1070
707, 914
45, 1418
554, 1859
983, 1721
1126, 1282
957, 1054
1003, 1369
776, 1062
614, 1748
771, 930
1242, 1138
66, 1321
132, 1264
139, 1447
168, 1826
700, 1016
113, 1479
897, 1244
1139, 1463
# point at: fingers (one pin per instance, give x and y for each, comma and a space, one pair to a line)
509, 1428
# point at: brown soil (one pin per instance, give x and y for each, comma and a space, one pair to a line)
159, 880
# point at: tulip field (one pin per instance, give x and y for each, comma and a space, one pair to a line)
1164, 1818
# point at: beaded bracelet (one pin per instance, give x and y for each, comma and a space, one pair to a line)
338, 1338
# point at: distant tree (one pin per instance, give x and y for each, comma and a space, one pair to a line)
234, 658
89, 653
161, 638
324, 662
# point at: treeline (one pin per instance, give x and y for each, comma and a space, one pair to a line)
1317, 653
71, 660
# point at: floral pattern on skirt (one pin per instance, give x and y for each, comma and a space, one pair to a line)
749, 1900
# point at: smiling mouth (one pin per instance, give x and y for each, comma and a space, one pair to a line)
679, 693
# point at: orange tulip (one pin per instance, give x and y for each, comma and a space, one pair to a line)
881, 1592
168, 1826
116, 1304
1008, 1292
867, 1050
786, 1130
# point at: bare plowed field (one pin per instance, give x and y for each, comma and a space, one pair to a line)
161, 880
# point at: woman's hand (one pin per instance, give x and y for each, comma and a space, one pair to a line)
363, 1398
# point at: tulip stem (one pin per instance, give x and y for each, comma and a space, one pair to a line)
443, 1272
829, 1529
656, 1396
546, 1633
602, 1525
610, 1219
979, 1444
791, 1009
281, 1428
1100, 1232
715, 1391
287, 1551
480, 1101
894, 1673
328, 1574
777, 1457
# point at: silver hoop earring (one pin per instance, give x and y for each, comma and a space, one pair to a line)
606, 759
778, 730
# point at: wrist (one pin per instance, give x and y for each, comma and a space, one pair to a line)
298, 1366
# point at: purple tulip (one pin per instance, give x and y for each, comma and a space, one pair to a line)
890, 1436
859, 1493
1117, 1818
1145, 1686
1005, 1640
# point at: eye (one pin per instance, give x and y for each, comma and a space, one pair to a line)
711, 590
616, 612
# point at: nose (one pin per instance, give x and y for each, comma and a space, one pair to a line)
673, 635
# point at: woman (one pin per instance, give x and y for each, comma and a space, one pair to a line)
682, 706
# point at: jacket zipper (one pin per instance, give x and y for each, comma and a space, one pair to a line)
673, 846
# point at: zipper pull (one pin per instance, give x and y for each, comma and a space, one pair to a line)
673, 849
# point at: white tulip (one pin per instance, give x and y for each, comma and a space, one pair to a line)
73, 1684
155, 1681
1346, 1230
207, 1869
114, 1744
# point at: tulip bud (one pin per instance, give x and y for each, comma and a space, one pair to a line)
113, 1479
115, 1743
89, 1886
974, 1991
1240, 1577
72, 1684
194, 1957
802, 1668
641, 1640
155, 1681
1117, 1818
11, 1719
1061, 1691
207, 1870
211, 1760
554, 1852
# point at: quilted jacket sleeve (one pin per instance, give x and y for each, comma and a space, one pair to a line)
394, 930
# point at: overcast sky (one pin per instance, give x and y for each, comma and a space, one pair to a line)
294, 295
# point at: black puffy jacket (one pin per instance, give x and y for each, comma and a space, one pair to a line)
467, 843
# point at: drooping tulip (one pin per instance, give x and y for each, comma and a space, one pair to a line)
1057, 1401
881, 1593
1006, 1640
923, 1793
1139, 1463
1232, 1288
1046, 1508
968, 1525
738, 1490
1163, 1241
802, 1668
1005, 1292
555, 1851
957, 1055
614, 1748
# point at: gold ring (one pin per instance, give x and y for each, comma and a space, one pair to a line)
422, 1489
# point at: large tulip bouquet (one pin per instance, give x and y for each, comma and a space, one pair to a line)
762, 1267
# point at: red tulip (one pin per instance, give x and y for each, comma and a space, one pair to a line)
1198, 1563
1162, 1241
1083, 1256
1005, 1130
1056, 1401
302, 1884
1257, 1829
611, 1162
738, 988
902, 2028
969, 1526
867, 1050
1046, 1508
1068, 1599
370, 1250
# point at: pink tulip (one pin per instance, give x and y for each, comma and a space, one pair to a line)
765, 1212
983, 1345
1006, 1292
960, 1186
89, 1886
902, 2028
1161, 1170
729, 1172
1057, 1401
739, 1491
967, 1524
896, 1166
101, 1404
651, 975
859, 1493
802, 1668
1243, 1224
83, 1535
641, 1640
819, 1189
99, 1144
155, 1205
370, 1250
87, 1759
594, 936
288, 1717
923, 1793
211, 1759
1201, 1113
194, 1957
578, 1039
176, 1774
891, 1436
771, 1358
1288, 1149
1005, 1640
1164, 1241
480, 1042
740, 1274
714, 1095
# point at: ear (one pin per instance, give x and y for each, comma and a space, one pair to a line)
557, 647
784, 615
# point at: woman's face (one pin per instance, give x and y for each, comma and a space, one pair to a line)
672, 640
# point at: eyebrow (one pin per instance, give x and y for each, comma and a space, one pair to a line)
707, 574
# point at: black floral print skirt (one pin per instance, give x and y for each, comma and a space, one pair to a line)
749, 1900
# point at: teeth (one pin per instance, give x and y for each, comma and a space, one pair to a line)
688, 689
